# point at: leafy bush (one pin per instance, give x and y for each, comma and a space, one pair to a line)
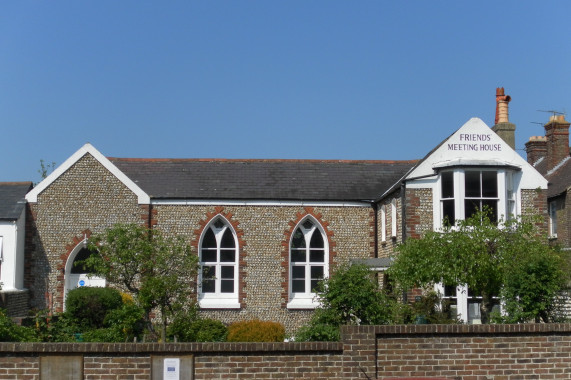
87, 307
11, 332
316, 331
351, 296
256, 331
198, 330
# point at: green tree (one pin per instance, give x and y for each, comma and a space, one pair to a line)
492, 259
157, 270
351, 296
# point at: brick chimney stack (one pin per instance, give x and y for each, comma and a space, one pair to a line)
557, 135
503, 127
536, 148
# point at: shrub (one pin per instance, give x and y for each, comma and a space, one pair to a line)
11, 332
198, 330
87, 307
256, 331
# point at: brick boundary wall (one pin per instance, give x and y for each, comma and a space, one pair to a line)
453, 352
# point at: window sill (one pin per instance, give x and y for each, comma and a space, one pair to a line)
302, 304
218, 304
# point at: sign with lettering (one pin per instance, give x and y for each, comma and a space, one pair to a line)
475, 142
171, 369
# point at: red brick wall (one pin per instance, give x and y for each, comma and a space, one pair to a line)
467, 352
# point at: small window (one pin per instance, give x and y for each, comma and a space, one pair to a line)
383, 223
554, 206
394, 218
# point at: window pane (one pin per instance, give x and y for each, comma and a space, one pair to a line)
472, 183
492, 207
83, 254
317, 273
208, 272
316, 256
316, 240
448, 212
298, 272
447, 184
298, 255
227, 240
316, 276
227, 255
208, 255
298, 240
219, 224
227, 286
489, 184
208, 286
227, 272
449, 290
471, 206
208, 279
298, 286
209, 241
307, 224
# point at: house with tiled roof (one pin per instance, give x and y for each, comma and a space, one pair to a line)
266, 231
549, 154
13, 295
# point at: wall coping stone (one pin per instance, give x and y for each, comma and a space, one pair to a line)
168, 348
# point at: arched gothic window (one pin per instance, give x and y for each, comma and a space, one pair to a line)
218, 276
309, 258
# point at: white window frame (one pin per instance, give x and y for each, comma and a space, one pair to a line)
463, 301
383, 223
218, 299
553, 206
394, 218
507, 194
307, 299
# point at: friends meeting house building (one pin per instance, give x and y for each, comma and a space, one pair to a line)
269, 230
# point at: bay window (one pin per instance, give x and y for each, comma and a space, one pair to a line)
465, 191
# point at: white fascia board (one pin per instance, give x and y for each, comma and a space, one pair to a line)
32, 196
230, 202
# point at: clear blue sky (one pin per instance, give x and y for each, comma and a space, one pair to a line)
381, 80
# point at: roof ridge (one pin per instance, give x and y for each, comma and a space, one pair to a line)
278, 160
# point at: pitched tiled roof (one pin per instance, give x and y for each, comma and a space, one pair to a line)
12, 200
299, 180
559, 178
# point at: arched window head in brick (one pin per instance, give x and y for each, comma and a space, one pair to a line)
308, 262
219, 265
75, 275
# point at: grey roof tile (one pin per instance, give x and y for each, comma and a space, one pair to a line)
12, 200
299, 180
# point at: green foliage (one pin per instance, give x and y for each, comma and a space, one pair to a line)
152, 267
490, 258
432, 308
87, 307
11, 332
318, 332
256, 331
197, 330
532, 287
351, 296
